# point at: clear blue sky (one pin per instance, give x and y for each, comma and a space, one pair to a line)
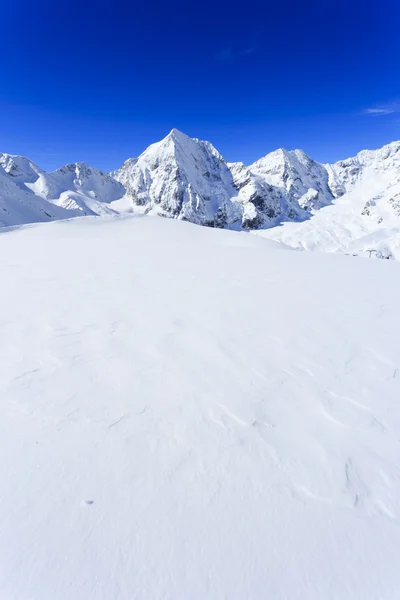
99, 81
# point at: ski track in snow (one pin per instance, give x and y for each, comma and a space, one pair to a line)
195, 413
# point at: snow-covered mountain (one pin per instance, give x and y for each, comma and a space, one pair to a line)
282, 185
29, 194
364, 218
18, 204
189, 179
183, 178
352, 205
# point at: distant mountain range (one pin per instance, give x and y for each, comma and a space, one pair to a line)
352, 205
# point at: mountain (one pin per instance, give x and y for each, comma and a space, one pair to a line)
189, 179
303, 182
18, 205
366, 165
195, 414
183, 178
29, 194
350, 206
282, 185
364, 218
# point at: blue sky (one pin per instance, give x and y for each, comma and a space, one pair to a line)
99, 81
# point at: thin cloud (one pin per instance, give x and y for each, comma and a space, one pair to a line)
383, 109
379, 111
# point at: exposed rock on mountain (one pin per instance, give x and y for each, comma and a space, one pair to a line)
183, 178
326, 207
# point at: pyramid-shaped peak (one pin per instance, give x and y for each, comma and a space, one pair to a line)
178, 137
176, 133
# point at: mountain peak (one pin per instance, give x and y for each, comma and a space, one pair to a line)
18, 166
176, 132
76, 167
187, 178
178, 136
167, 147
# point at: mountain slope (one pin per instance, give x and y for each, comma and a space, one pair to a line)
187, 178
29, 194
195, 413
280, 186
19, 206
351, 206
184, 178
365, 219
303, 182
367, 165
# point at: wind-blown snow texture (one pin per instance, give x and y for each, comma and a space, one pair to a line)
351, 206
193, 413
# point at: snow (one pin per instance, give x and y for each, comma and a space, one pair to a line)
285, 195
28, 194
182, 177
365, 218
299, 178
195, 413
352, 206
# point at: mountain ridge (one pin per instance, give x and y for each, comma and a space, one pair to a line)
188, 179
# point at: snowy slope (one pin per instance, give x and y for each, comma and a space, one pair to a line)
184, 178
190, 413
365, 217
19, 206
280, 186
29, 194
187, 178
351, 206
302, 182
366, 165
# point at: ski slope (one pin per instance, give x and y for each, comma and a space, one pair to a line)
192, 413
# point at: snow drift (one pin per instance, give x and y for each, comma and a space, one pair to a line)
195, 413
